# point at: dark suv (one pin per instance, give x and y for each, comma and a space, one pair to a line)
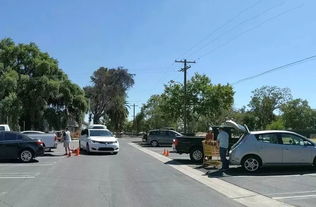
18, 146
160, 137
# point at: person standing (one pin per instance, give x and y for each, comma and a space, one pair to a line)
67, 141
209, 136
223, 140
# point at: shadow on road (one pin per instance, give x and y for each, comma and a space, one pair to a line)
51, 155
17, 161
142, 144
267, 171
82, 152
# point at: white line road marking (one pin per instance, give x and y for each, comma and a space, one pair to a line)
26, 165
294, 192
238, 194
294, 197
17, 177
22, 174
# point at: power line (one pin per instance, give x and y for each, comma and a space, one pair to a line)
250, 29
233, 28
220, 27
275, 69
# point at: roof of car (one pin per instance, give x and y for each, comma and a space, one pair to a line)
30, 131
99, 129
271, 131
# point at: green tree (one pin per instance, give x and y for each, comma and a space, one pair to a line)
297, 114
108, 94
38, 89
264, 103
276, 124
207, 103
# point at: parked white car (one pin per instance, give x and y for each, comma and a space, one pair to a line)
270, 148
4, 127
97, 126
98, 140
49, 139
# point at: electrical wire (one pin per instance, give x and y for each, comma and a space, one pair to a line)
220, 27
228, 31
275, 69
250, 29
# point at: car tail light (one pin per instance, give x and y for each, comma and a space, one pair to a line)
39, 142
175, 142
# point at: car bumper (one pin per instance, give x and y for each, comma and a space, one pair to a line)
104, 148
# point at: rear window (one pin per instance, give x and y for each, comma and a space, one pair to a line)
154, 133
102, 133
97, 127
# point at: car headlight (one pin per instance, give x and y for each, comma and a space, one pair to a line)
94, 142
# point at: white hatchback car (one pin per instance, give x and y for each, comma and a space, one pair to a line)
270, 148
98, 140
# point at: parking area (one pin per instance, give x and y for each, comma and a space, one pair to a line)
292, 185
14, 173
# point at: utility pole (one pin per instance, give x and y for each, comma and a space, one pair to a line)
184, 70
134, 123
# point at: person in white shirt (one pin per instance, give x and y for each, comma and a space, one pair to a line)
223, 141
67, 141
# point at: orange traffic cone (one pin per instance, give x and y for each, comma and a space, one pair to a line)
164, 152
167, 153
78, 152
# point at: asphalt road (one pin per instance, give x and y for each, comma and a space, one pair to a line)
131, 178
292, 185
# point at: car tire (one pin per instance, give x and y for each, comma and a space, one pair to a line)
154, 143
314, 162
251, 163
196, 155
87, 148
26, 155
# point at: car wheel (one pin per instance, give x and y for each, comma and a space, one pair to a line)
154, 143
87, 148
26, 155
314, 162
196, 155
251, 163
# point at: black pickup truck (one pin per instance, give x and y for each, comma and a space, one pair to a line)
193, 144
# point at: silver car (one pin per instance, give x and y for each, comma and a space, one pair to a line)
270, 147
160, 137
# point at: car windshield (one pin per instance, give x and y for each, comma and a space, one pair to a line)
98, 133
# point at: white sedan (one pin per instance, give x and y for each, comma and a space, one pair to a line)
98, 140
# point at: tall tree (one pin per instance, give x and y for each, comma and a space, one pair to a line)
264, 103
37, 88
108, 93
297, 114
206, 104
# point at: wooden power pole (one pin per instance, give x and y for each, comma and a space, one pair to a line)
184, 70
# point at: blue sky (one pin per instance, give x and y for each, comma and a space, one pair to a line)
241, 38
